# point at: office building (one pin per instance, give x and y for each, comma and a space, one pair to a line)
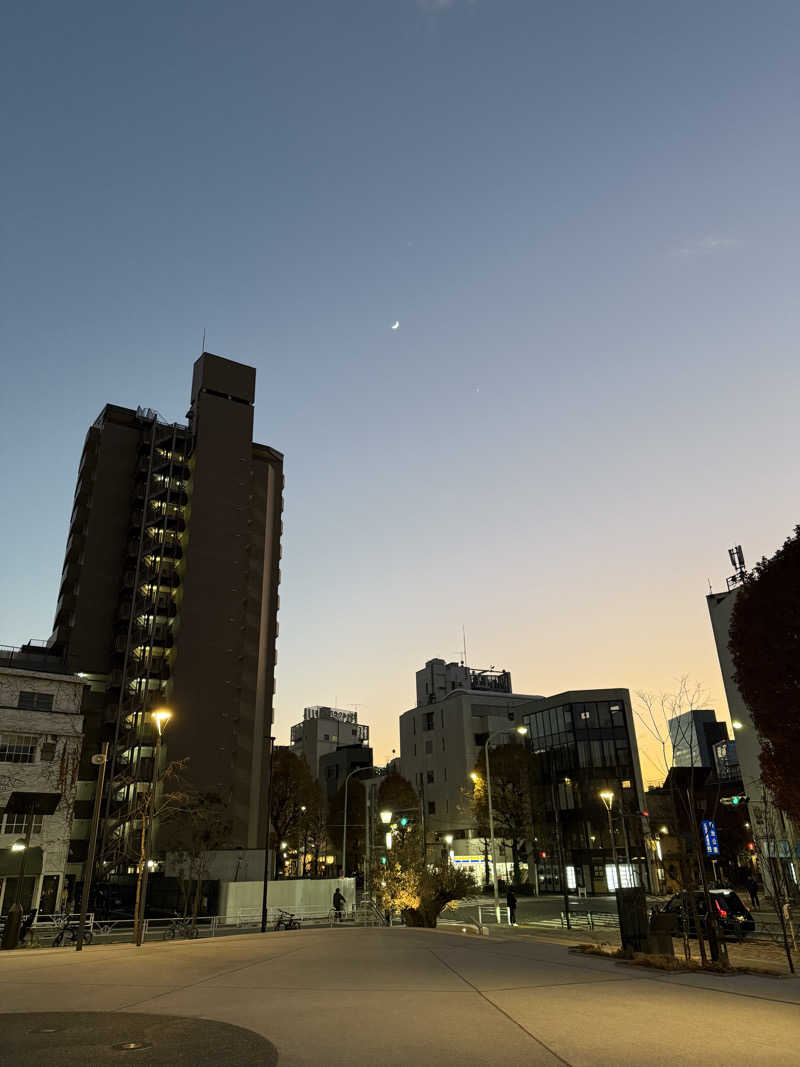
169, 595
41, 733
584, 744
693, 735
324, 730
441, 738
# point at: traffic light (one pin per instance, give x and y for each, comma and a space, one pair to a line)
404, 820
734, 801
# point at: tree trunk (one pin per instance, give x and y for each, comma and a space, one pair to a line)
515, 859
197, 898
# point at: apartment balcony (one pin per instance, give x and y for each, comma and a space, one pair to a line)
65, 607
75, 543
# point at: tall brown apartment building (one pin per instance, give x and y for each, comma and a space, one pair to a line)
169, 595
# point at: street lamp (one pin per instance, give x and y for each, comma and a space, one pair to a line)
355, 770
160, 717
19, 845
99, 760
386, 817
737, 725
497, 733
305, 840
607, 797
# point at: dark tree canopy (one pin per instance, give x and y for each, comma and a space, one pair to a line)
765, 645
512, 808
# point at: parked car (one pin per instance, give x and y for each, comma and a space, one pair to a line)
732, 916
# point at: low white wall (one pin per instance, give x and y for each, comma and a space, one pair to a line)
288, 893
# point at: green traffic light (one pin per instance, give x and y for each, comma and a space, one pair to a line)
735, 800
404, 821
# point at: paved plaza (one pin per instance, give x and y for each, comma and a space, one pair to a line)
388, 996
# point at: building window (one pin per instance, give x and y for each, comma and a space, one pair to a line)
428, 720
431, 807
430, 777
443, 745
18, 748
414, 726
36, 701
511, 716
428, 748
18, 824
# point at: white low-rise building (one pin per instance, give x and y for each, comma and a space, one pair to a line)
41, 734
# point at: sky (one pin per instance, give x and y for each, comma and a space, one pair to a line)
585, 218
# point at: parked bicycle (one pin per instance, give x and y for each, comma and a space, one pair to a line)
287, 920
68, 929
180, 927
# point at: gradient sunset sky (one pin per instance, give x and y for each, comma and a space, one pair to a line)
585, 218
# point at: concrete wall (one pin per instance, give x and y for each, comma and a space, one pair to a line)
284, 893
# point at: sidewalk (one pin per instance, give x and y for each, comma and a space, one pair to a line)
352, 997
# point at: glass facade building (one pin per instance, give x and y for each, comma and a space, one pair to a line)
583, 745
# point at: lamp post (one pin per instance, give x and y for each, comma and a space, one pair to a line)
355, 770
448, 840
497, 733
607, 797
99, 761
161, 717
303, 810
267, 829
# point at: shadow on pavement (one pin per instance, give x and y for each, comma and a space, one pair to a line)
61, 1039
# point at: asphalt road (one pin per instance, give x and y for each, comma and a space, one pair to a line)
343, 997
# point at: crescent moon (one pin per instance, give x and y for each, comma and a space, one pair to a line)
396, 325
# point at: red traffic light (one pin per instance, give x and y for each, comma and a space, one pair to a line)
543, 855
751, 847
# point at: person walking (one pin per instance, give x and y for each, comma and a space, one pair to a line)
338, 904
511, 900
752, 889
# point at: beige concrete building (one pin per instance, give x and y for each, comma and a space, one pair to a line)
441, 738
41, 729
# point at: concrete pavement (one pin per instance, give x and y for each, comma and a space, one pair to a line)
396, 996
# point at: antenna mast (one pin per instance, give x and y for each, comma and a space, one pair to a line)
464, 638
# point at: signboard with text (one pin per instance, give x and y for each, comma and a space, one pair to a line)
710, 837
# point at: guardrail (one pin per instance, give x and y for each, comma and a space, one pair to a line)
487, 914
307, 913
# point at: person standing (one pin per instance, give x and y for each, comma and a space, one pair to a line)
752, 889
511, 900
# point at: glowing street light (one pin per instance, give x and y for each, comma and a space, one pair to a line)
160, 717
496, 733
386, 817
19, 845
607, 797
